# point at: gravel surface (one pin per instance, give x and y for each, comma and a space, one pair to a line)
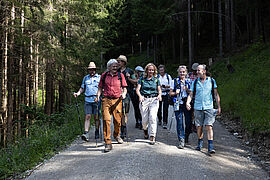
137, 159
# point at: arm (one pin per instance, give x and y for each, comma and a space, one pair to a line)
79, 92
189, 98
124, 93
217, 100
141, 98
98, 94
131, 78
159, 93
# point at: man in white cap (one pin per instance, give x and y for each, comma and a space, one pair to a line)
193, 75
90, 87
113, 85
131, 81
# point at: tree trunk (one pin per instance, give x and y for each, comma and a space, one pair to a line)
232, 25
227, 25
256, 21
173, 48
181, 44
43, 83
189, 38
213, 22
36, 75
220, 29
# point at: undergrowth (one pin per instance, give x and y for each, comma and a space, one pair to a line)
47, 135
244, 93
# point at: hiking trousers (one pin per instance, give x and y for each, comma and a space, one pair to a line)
111, 107
149, 109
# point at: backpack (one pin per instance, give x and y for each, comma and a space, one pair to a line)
170, 99
194, 91
179, 84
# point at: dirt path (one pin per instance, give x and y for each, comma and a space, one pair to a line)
139, 160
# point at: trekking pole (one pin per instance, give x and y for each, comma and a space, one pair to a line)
100, 120
125, 116
96, 122
77, 107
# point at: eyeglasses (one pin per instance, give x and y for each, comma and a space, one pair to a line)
91, 69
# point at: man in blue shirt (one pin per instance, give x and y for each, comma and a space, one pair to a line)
204, 112
90, 87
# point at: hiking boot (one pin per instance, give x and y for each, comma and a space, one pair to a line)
159, 123
181, 144
123, 132
186, 138
85, 137
96, 134
164, 126
145, 134
200, 144
108, 147
137, 125
152, 140
140, 125
211, 149
119, 140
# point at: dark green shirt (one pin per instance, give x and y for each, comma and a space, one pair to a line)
149, 87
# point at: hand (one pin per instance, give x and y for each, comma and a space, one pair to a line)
96, 99
177, 91
123, 95
141, 98
75, 95
188, 106
159, 97
219, 111
127, 75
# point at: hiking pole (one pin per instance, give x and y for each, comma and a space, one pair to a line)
100, 120
96, 123
125, 116
77, 106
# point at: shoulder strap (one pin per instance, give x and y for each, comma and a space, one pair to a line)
168, 78
120, 78
103, 79
212, 91
194, 90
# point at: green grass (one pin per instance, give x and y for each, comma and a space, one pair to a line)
245, 93
48, 135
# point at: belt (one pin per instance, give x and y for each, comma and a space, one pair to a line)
111, 97
150, 96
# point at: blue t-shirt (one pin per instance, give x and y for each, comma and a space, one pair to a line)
149, 87
90, 86
203, 96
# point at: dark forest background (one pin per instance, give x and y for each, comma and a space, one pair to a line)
47, 45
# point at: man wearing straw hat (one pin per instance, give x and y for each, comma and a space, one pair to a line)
90, 87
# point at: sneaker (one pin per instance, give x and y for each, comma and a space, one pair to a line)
159, 123
119, 140
96, 134
164, 126
145, 134
181, 144
108, 147
152, 140
85, 137
200, 145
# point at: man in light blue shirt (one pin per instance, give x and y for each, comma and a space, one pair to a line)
90, 87
205, 90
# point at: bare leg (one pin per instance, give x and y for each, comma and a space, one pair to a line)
200, 132
87, 122
209, 132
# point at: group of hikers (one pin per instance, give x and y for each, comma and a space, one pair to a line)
150, 90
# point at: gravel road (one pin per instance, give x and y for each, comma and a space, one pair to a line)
137, 159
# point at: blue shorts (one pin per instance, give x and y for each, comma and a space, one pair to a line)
90, 108
204, 117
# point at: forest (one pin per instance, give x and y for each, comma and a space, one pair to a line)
47, 45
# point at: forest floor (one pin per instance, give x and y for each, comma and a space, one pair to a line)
137, 159
259, 144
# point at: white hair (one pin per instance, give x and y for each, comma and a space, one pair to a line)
110, 62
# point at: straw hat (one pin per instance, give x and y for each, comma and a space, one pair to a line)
122, 58
91, 65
